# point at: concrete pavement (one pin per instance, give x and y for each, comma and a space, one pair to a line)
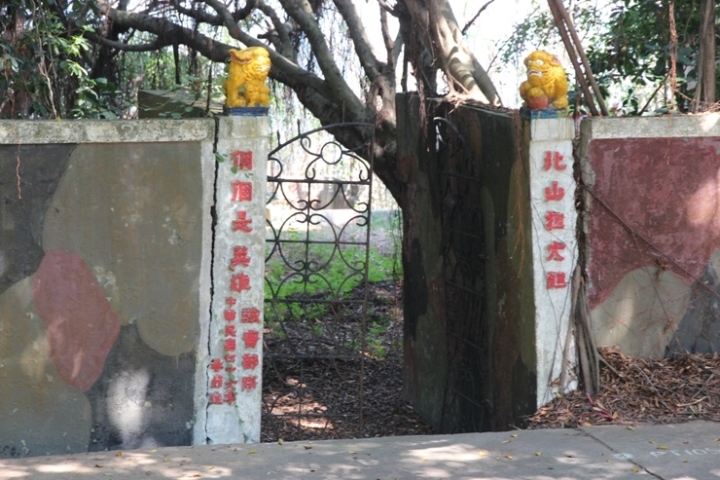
689, 451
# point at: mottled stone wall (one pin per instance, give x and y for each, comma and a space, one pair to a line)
653, 233
104, 282
470, 356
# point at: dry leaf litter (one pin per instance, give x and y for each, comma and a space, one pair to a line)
633, 390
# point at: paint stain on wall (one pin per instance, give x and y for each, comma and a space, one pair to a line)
81, 326
143, 399
29, 175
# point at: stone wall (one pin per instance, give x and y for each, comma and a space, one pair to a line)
470, 357
105, 282
653, 232
489, 250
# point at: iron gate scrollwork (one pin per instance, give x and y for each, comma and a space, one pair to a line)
318, 225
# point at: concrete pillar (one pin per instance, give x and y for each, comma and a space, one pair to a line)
552, 198
232, 372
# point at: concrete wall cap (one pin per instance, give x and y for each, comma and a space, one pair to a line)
705, 125
552, 129
105, 131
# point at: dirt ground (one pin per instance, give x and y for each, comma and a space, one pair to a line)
319, 398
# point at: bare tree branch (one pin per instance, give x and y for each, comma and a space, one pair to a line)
358, 34
387, 39
290, 29
443, 39
204, 17
214, 50
475, 17
302, 13
135, 47
283, 45
385, 6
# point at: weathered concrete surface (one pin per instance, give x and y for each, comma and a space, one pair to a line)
22, 132
143, 399
680, 452
653, 227
685, 451
554, 250
29, 175
233, 364
93, 236
81, 325
129, 210
469, 334
636, 314
39, 412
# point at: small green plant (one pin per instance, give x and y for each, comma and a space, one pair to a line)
375, 339
318, 329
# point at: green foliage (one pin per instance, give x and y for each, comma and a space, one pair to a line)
51, 69
375, 339
342, 273
310, 293
636, 51
46, 72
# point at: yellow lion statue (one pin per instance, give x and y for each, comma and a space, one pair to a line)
546, 83
245, 85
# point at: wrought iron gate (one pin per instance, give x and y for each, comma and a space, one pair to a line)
318, 225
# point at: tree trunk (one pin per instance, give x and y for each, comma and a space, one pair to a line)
705, 90
443, 38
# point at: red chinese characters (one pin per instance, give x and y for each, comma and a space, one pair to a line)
216, 365
249, 383
251, 338
240, 282
242, 223
230, 396
240, 258
239, 338
554, 221
216, 381
553, 162
555, 248
250, 315
242, 160
250, 361
242, 191
556, 280
230, 345
554, 192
